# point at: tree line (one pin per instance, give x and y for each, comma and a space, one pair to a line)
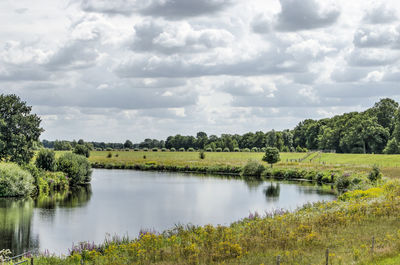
375, 130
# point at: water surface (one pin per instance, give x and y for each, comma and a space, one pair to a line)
123, 202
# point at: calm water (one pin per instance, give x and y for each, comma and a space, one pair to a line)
124, 201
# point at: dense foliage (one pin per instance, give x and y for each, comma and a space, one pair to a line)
15, 181
76, 167
375, 130
271, 155
81, 149
45, 159
19, 130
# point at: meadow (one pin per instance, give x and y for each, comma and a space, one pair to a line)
361, 163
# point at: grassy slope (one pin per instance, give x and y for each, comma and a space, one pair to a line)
346, 162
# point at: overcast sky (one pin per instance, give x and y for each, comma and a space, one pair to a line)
111, 70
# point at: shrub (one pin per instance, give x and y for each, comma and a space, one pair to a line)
263, 149
173, 149
246, 150
46, 160
343, 182
209, 149
254, 149
236, 149
163, 149
155, 149
127, 150
226, 149
109, 149
109, 155
117, 155
375, 174
181, 149
253, 168
136, 149
190, 149
145, 149
299, 149
76, 167
14, 181
219, 149
81, 149
285, 149
202, 155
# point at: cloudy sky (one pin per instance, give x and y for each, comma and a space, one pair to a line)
111, 70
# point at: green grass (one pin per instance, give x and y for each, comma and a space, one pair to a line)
360, 163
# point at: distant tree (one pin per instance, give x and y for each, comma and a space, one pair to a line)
271, 155
19, 130
81, 149
45, 159
385, 111
128, 144
392, 147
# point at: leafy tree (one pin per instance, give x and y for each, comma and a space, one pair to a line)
392, 147
76, 167
81, 149
46, 160
128, 144
385, 111
271, 155
19, 130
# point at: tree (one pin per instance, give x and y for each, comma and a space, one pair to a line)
128, 144
81, 149
46, 160
19, 130
385, 111
392, 147
76, 167
271, 155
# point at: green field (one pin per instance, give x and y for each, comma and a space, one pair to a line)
389, 164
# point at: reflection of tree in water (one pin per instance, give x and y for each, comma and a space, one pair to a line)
15, 225
253, 184
272, 192
76, 197
316, 189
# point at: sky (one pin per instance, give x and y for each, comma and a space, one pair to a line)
111, 70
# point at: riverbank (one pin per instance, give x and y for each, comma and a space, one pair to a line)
346, 227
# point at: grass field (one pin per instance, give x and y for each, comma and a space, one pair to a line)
389, 164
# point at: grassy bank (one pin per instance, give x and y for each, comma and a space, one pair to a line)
345, 227
351, 163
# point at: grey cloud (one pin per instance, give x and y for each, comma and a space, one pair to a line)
241, 87
372, 57
178, 9
379, 15
21, 10
76, 54
302, 15
261, 24
151, 36
358, 90
23, 73
375, 37
349, 74
263, 64
113, 7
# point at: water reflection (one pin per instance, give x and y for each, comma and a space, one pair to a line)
16, 216
272, 192
124, 202
15, 225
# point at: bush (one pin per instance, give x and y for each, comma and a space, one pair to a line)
109, 149
263, 149
219, 149
226, 149
163, 149
52, 181
343, 182
209, 149
46, 160
172, 149
246, 150
190, 149
14, 181
76, 167
145, 149
285, 149
202, 155
375, 174
136, 149
236, 149
254, 149
109, 155
81, 149
253, 168
155, 149
181, 149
